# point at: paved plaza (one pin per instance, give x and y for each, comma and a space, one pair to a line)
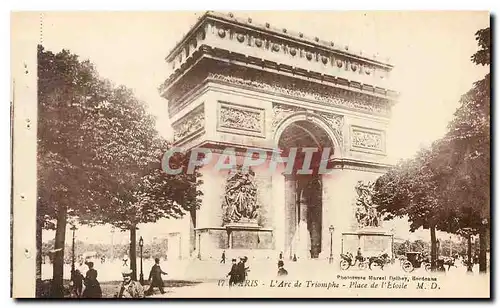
210, 273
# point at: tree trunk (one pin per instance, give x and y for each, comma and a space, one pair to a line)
469, 253
38, 238
433, 248
133, 255
57, 290
482, 249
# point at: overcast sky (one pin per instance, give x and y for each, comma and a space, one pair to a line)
430, 50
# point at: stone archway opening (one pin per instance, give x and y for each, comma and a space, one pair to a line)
304, 197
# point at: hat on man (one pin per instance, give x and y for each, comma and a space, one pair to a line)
233, 260
126, 272
157, 260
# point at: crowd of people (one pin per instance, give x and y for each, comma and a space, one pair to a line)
239, 271
88, 286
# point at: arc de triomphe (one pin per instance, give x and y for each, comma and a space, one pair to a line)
236, 84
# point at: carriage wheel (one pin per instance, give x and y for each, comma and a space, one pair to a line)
427, 267
362, 265
407, 266
344, 265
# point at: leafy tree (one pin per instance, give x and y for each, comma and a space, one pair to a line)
67, 98
446, 187
420, 245
482, 56
409, 190
140, 191
462, 157
99, 157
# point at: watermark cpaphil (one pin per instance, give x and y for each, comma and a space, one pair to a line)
307, 160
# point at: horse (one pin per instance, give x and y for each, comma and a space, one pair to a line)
378, 260
450, 261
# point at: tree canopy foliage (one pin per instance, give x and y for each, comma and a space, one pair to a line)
447, 186
99, 155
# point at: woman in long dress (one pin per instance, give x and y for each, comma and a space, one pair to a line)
92, 286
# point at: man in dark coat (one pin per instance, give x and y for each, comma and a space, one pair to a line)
281, 270
77, 279
223, 257
155, 277
359, 255
233, 274
240, 269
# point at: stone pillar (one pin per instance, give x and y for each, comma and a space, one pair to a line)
229, 240
280, 214
361, 244
303, 238
327, 212
315, 219
290, 213
315, 228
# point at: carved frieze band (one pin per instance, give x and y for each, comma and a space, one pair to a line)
316, 92
189, 124
240, 119
365, 139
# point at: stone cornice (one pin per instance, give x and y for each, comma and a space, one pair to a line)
232, 40
271, 30
354, 164
224, 56
239, 149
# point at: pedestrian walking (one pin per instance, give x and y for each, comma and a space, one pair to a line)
242, 269
155, 277
233, 274
223, 257
92, 286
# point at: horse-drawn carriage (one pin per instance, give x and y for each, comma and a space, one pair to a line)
415, 259
347, 261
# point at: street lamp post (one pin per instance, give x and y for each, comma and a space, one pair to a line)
141, 276
199, 246
451, 247
73, 228
469, 253
330, 259
392, 244
437, 248
112, 243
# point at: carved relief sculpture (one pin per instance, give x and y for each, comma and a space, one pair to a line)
237, 118
367, 140
366, 212
189, 124
240, 198
336, 122
280, 112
